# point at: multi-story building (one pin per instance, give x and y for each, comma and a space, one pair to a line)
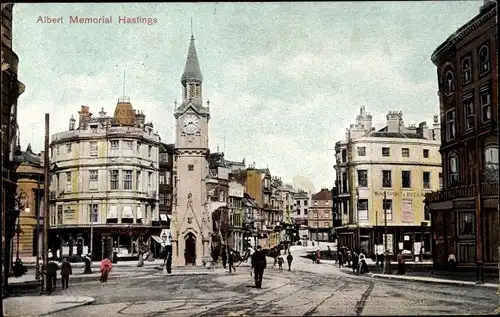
301, 215
320, 215
11, 90
237, 231
165, 188
253, 220
464, 212
30, 175
105, 178
388, 173
287, 192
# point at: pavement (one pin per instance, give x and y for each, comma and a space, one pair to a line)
309, 289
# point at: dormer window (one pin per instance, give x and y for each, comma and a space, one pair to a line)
449, 83
484, 59
466, 71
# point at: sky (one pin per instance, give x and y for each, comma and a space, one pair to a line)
284, 80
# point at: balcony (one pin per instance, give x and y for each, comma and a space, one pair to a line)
487, 190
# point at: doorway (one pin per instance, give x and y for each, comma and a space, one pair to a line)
190, 252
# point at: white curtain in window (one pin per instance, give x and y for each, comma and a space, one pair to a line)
127, 212
112, 214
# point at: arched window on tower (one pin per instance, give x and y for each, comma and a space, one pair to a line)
185, 91
191, 91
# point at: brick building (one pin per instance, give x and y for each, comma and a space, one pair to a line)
468, 82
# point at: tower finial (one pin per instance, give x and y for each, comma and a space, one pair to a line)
123, 85
192, 28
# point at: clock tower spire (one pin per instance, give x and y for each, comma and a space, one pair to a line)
191, 78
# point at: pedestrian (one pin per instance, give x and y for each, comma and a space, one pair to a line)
318, 256
88, 264
230, 261
452, 261
363, 266
313, 256
224, 257
341, 258
66, 271
401, 263
106, 266
259, 264
355, 262
52, 268
349, 258
289, 259
280, 263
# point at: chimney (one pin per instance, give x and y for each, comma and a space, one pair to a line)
436, 129
140, 118
84, 116
423, 130
102, 113
72, 123
394, 121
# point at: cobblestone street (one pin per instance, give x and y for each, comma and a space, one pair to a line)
283, 293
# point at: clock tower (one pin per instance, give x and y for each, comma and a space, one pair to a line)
191, 225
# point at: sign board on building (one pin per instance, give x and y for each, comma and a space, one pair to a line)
222, 173
69, 214
236, 190
404, 194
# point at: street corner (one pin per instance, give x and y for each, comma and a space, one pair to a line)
430, 280
42, 305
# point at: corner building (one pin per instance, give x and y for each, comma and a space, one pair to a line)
105, 176
465, 212
401, 161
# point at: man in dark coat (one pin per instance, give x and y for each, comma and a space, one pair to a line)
52, 268
230, 261
65, 273
258, 265
289, 259
224, 257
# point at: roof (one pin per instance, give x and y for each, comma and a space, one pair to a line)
27, 156
324, 194
383, 134
216, 160
124, 114
192, 69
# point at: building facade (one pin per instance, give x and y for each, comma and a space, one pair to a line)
464, 212
165, 188
104, 177
385, 174
30, 176
320, 219
12, 88
301, 215
237, 230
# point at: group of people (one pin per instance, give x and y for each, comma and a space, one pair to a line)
66, 270
355, 259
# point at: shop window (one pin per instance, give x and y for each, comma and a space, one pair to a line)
466, 224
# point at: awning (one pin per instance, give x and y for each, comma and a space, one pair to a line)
127, 212
112, 214
139, 212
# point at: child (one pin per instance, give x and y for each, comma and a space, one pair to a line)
280, 263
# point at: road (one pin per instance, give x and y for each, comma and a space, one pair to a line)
292, 293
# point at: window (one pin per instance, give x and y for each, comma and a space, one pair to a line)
484, 59
469, 112
164, 157
162, 178
138, 181
127, 180
440, 181
427, 214
491, 164
162, 199
344, 155
139, 146
190, 167
93, 128
60, 215
94, 213
406, 179
298, 202
168, 176
344, 208
298, 212
168, 200
485, 100
68, 147
426, 153
361, 151
93, 179
150, 180
449, 83
386, 151
466, 224
387, 179
305, 212
362, 178
93, 149
68, 182
150, 149
453, 169
466, 71
387, 206
450, 125
115, 144
128, 144
426, 180
363, 209
113, 179
305, 202
405, 152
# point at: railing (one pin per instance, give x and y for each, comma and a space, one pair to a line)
487, 189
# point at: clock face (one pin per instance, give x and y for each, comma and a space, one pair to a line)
190, 125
